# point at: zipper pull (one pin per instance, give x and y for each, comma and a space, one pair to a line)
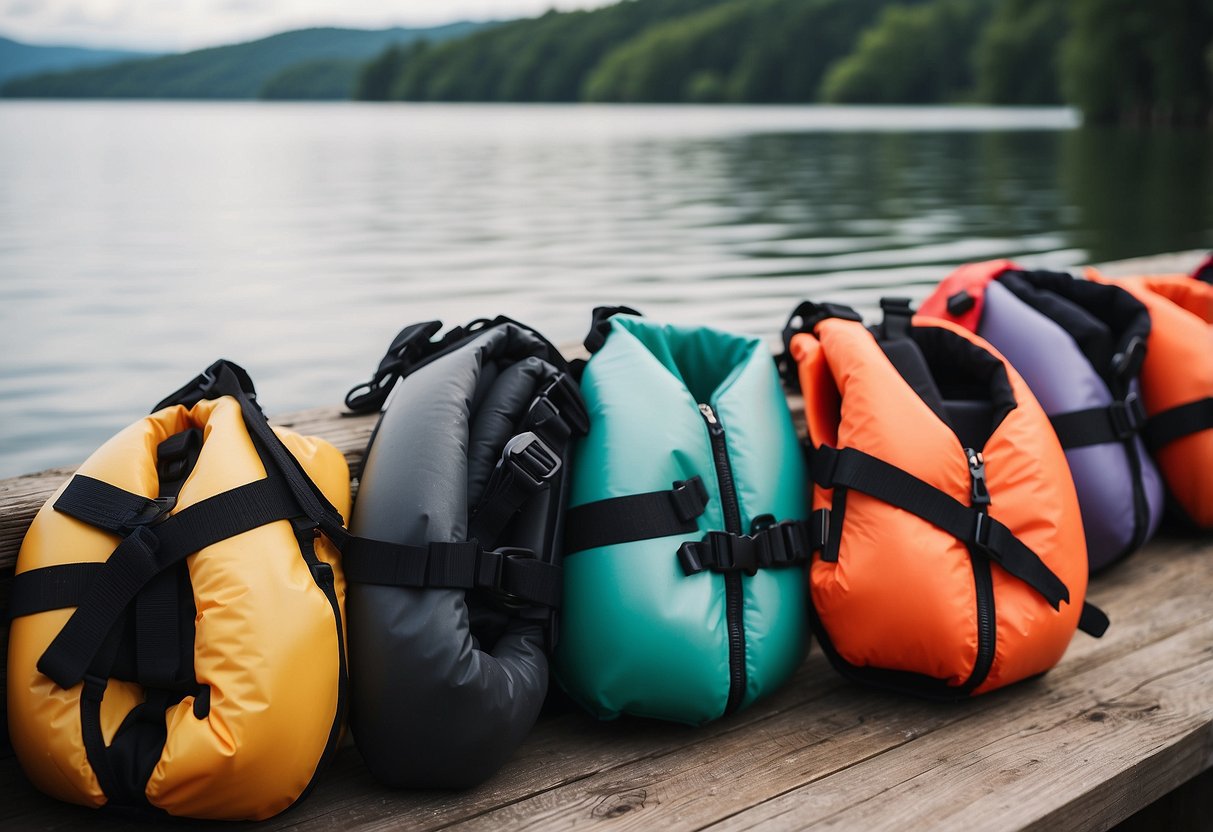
979, 494
709, 416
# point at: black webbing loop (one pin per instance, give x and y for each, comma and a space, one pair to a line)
514, 573
409, 346
226, 379
148, 551
1204, 271
854, 469
1092, 620
636, 517
897, 317
109, 507
804, 317
600, 325
788, 543
1117, 422
1164, 428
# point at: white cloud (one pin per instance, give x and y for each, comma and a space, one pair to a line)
187, 24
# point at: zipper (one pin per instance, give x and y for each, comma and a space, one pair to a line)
732, 580
983, 582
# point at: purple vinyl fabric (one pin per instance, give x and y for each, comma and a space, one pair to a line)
1063, 380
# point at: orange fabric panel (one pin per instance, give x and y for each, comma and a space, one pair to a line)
1178, 369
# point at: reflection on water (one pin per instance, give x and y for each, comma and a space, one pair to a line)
140, 241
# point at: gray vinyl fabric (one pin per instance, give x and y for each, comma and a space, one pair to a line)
444, 687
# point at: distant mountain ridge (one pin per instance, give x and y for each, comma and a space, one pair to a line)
239, 70
18, 59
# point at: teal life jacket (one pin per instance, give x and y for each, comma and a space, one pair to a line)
685, 588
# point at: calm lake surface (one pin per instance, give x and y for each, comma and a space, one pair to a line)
140, 241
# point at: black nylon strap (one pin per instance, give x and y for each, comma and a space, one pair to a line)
51, 588
1164, 428
226, 379
789, 543
1092, 620
1117, 422
515, 573
147, 552
854, 469
108, 507
532, 459
636, 517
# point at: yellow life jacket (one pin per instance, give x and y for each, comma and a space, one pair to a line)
177, 644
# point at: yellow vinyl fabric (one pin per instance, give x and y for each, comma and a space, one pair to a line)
266, 638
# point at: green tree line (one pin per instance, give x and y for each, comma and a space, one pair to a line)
1117, 60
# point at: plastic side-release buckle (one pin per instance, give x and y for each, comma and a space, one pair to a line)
1128, 416
563, 401
531, 458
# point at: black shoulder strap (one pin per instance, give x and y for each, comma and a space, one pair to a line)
411, 345
897, 316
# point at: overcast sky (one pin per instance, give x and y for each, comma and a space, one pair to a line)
171, 25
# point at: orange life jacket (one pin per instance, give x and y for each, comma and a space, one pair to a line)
1177, 383
952, 560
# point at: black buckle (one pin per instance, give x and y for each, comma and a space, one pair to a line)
490, 573
1127, 363
982, 526
531, 457
154, 512
565, 403
1128, 416
206, 385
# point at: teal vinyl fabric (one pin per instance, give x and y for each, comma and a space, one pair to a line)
639, 636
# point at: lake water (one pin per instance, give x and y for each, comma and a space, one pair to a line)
140, 241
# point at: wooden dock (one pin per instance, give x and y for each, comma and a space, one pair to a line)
1121, 723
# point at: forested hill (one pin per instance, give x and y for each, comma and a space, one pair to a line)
238, 71
18, 59
1118, 60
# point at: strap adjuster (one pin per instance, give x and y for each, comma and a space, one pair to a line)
531, 458
689, 498
982, 525
564, 400
156, 511
1128, 416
